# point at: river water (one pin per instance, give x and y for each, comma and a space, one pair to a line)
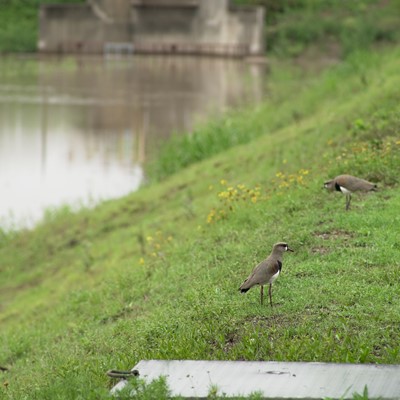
75, 131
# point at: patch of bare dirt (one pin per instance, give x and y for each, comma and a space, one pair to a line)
230, 341
302, 274
334, 234
320, 250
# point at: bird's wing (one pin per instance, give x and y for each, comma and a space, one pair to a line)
363, 185
353, 183
343, 181
262, 273
255, 278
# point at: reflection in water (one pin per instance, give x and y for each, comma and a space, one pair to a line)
77, 130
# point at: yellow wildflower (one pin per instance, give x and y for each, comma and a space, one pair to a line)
283, 184
210, 216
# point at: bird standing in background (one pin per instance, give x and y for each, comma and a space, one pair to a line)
267, 271
347, 184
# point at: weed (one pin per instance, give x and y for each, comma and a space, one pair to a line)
140, 390
233, 197
285, 181
376, 152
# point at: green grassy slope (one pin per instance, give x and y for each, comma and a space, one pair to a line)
155, 274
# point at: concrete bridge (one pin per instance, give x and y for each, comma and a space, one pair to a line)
209, 27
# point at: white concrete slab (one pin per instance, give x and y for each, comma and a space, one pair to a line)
275, 380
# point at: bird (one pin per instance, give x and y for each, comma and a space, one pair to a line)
347, 184
115, 373
266, 271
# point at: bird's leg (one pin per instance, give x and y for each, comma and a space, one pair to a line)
270, 293
348, 199
262, 294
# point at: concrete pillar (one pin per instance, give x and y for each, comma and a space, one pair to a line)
211, 20
257, 43
115, 16
112, 11
210, 9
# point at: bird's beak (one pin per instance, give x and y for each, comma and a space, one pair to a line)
289, 249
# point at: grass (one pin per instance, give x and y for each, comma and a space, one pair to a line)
155, 274
19, 24
297, 28
241, 127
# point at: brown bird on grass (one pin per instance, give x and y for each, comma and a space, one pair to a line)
347, 184
267, 271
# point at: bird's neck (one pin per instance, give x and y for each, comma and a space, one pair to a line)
277, 255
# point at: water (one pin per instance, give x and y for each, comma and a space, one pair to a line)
77, 130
